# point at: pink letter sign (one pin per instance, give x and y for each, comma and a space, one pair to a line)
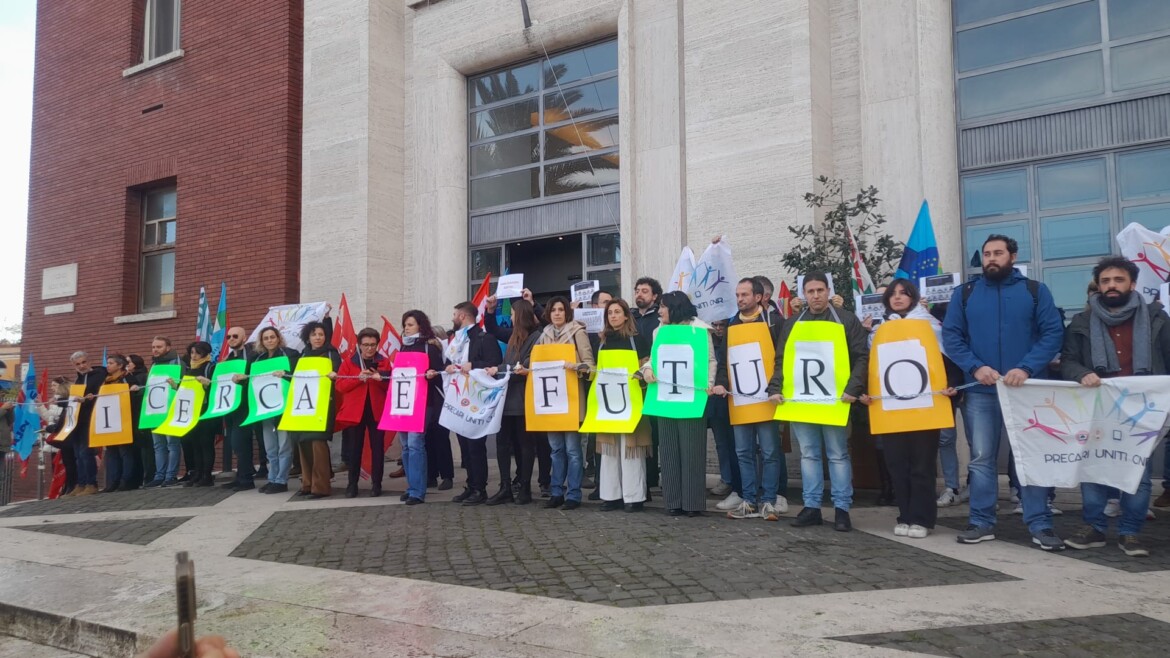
406, 399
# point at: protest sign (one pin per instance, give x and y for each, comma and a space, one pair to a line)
905, 365
111, 423
406, 398
266, 391
225, 394
186, 409
614, 405
751, 358
473, 404
582, 291
712, 283
289, 319
551, 394
509, 286
816, 369
306, 408
592, 318
679, 360
157, 395
937, 289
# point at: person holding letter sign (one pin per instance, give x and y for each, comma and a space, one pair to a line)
362, 400
814, 380
313, 447
1000, 326
167, 449
239, 436
91, 378
471, 349
119, 459
1119, 335
268, 394
202, 437
418, 336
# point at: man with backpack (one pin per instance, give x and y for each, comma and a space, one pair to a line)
1000, 326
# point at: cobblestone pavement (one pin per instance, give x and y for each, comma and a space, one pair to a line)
1097, 636
613, 558
130, 531
123, 501
1155, 535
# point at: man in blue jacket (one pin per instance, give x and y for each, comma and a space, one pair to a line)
1000, 326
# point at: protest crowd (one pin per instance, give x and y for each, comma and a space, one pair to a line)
597, 392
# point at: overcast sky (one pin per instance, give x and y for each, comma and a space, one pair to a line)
17, 32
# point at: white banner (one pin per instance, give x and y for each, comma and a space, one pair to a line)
1150, 251
681, 276
289, 319
473, 404
712, 284
1063, 434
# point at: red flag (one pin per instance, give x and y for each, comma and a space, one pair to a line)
58, 482
480, 299
785, 299
391, 341
23, 466
344, 335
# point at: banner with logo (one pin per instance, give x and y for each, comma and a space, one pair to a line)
816, 369
289, 319
1063, 434
679, 360
266, 391
905, 365
157, 395
1150, 251
306, 407
186, 408
406, 397
71, 411
614, 405
751, 358
225, 395
473, 404
552, 401
111, 423
712, 283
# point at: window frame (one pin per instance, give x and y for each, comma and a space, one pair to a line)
148, 31
146, 251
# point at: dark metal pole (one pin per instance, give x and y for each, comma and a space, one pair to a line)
527, 16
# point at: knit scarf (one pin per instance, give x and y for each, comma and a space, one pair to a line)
1101, 346
114, 379
752, 317
197, 361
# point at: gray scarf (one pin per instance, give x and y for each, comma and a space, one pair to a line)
1101, 346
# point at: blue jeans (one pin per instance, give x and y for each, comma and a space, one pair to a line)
566, 465
984, 422
119, 464
948, 456
835, 443
725, 449
278, 445
767, 437
167, 452
414, 462
1133, 506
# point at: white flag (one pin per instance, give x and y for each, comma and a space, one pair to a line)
1063, 434
473, 404
288, 320
680, 278
1150, 251
712, 284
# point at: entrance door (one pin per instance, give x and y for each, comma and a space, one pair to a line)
552, 265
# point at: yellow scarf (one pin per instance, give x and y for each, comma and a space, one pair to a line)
752, 317
197, 361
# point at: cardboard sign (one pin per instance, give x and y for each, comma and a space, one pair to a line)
509, 286
76, 392
111, 423
583, 291
306, 409
751, 359
904, 362
551, 394
266, 391
816, 369
157, 395
225, 394
406, 397
186, 409
679, 361
614, 405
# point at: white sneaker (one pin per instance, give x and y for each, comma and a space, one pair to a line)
731, 502
768, 512
1054, 509
917, 532
721, 489
1019, 509
901, 530
946, 499
964, 495
1113, 508
781, 505
745, 511
1015, 497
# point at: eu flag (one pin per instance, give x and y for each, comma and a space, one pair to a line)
921, 255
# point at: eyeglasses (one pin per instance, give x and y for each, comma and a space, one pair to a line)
235, 336
368, 345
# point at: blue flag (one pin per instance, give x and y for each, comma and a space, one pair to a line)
219, 325
921, 255
25, 419
105, 357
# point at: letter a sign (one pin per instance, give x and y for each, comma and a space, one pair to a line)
406, 397
552, 400
615, 400
751, 358
816, 369
307, 407
905, 362
111, 424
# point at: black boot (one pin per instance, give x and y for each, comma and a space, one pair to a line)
841, 522
504, 495
808, 516
611, 506
886, 497
523, 497
467, 491
476, 498
351, 490
555, 501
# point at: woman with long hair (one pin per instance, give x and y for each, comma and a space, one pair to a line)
621, 476
418, 336
143, 443
201, 438
513, 439
567, 457
682, 442
277, 443
313, 447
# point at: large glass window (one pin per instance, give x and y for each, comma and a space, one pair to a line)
1001, 193
159, 212
1072, 184
1032, 85
1029, 36
1129, 18
1141, 64
1144, 174
1071, 236
544, 128
971, 11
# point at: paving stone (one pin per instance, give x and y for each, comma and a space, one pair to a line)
648, 559
1102, 636
123, 501
133, 531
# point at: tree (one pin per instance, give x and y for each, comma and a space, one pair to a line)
823, 246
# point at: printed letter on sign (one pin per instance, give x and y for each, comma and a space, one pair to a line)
751, 358
406, 400
905, 367
680, 357
552, 400
816, 369
615, 401
110, 424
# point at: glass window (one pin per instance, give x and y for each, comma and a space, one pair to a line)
1073, 236
1069, 286
603, 249
159, 208
1029, 36
1129, 18
1001, 193
1019, 231
158, 281
1144, 174
1072, 184
1155, 217
608, 280
1032, 85
571, 139
505, 188
580, 174
161, 29
1141, 64
579, 64
505, 154
504, 119
484, 262
501, 85
581, 100
970, 11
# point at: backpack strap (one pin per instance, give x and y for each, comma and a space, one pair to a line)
1033, 289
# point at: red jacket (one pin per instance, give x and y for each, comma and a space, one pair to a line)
355, 393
